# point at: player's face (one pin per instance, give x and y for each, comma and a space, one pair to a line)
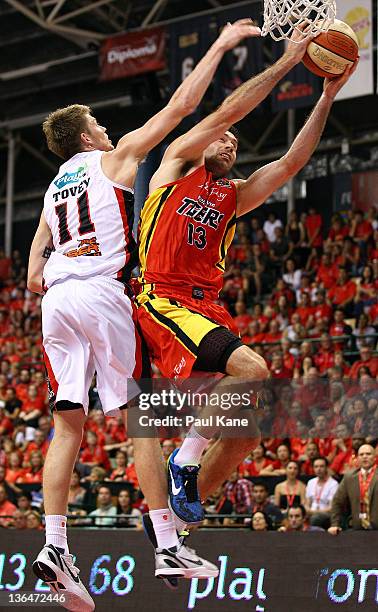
220, 156
97, 133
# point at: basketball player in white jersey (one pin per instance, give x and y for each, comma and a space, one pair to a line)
87, 318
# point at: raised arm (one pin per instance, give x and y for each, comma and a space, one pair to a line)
261, 184
184, 101
189, 148
39, 253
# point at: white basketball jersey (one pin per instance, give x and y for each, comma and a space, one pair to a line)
91, 220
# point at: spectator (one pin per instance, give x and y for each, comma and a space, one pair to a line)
94, 454
297, 520
14, 470
360, 229
338, 230
261, 503
296, 235
19, 520
239, 492
290, 492
242, 318
6, 508
278, 369
292, 275
366, 294
168, 446
106, 512
33, 473
260, 522
327, 273
279, 249
319, 494
33, 520
322, 310
366, 360
259, 466
24, 501
313, 225
325, 357
119, 473
32, 407
282, 461
342, 294
339, 327
358, 492
76, 493
270, 226
125, 508
364, 333
12, 404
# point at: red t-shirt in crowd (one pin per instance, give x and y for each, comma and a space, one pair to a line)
322, 311
338, 235
242, 321
304, 313
338, 294
96, 455
31, 477
249, 468
327, 275
314, 222
372, 364
324, 360
363, 230
29, 405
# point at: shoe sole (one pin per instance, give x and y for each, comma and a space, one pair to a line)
172, 572
73, 602
198, 573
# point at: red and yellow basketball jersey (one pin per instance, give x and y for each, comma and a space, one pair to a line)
185, 230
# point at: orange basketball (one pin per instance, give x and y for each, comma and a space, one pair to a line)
331, 52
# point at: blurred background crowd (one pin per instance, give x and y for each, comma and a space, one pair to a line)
304, 297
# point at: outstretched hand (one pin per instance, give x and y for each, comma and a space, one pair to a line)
298, 42
333, 86
232, 34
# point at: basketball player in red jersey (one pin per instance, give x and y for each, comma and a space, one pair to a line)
87, 319
186, 226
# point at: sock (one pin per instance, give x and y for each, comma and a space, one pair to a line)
192, 448
179, 524
56, 531
164, 527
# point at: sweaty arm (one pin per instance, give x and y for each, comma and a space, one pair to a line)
136, 144
40, 251
261, 184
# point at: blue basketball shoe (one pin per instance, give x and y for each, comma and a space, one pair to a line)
184, 500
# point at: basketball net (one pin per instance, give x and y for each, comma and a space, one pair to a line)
282, 17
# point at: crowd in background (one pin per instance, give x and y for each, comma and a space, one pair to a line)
304, 298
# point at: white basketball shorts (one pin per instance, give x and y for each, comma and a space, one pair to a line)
88, 327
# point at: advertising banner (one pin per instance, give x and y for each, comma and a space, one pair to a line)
365, 190
132, 53
299, 88
258, 572
359, 15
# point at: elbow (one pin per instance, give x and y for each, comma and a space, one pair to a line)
292, 165
185, 106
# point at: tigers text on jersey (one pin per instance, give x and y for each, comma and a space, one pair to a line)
186, 228
91, 220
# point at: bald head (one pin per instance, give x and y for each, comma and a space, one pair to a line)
366, 456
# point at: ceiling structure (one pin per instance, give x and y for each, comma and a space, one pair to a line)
49, 58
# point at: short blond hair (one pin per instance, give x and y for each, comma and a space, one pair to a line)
63, 127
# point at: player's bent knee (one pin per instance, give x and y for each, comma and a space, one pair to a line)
247, 364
